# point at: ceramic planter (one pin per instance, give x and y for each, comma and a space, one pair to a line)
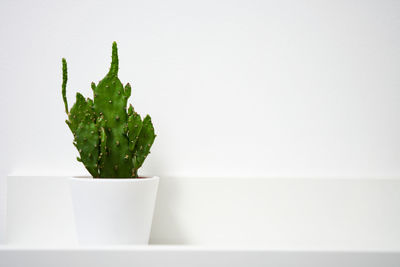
113, 211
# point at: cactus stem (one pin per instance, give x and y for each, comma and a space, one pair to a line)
64, 84
114, 60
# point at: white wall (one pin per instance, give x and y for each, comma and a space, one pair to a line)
257, 88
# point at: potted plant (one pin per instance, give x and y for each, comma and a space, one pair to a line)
115, 205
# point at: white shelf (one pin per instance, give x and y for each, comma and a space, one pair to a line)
219, 222
191, 256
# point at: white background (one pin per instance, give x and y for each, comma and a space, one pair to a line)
234, 88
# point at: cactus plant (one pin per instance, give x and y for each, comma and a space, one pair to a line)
112, 141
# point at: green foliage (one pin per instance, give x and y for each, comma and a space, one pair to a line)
113, 142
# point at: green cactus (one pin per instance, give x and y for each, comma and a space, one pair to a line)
113, 142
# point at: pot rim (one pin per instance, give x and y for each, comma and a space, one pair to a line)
90, 179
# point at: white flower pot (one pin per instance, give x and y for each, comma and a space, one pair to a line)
113, 211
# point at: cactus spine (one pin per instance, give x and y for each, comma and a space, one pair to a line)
113, 142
